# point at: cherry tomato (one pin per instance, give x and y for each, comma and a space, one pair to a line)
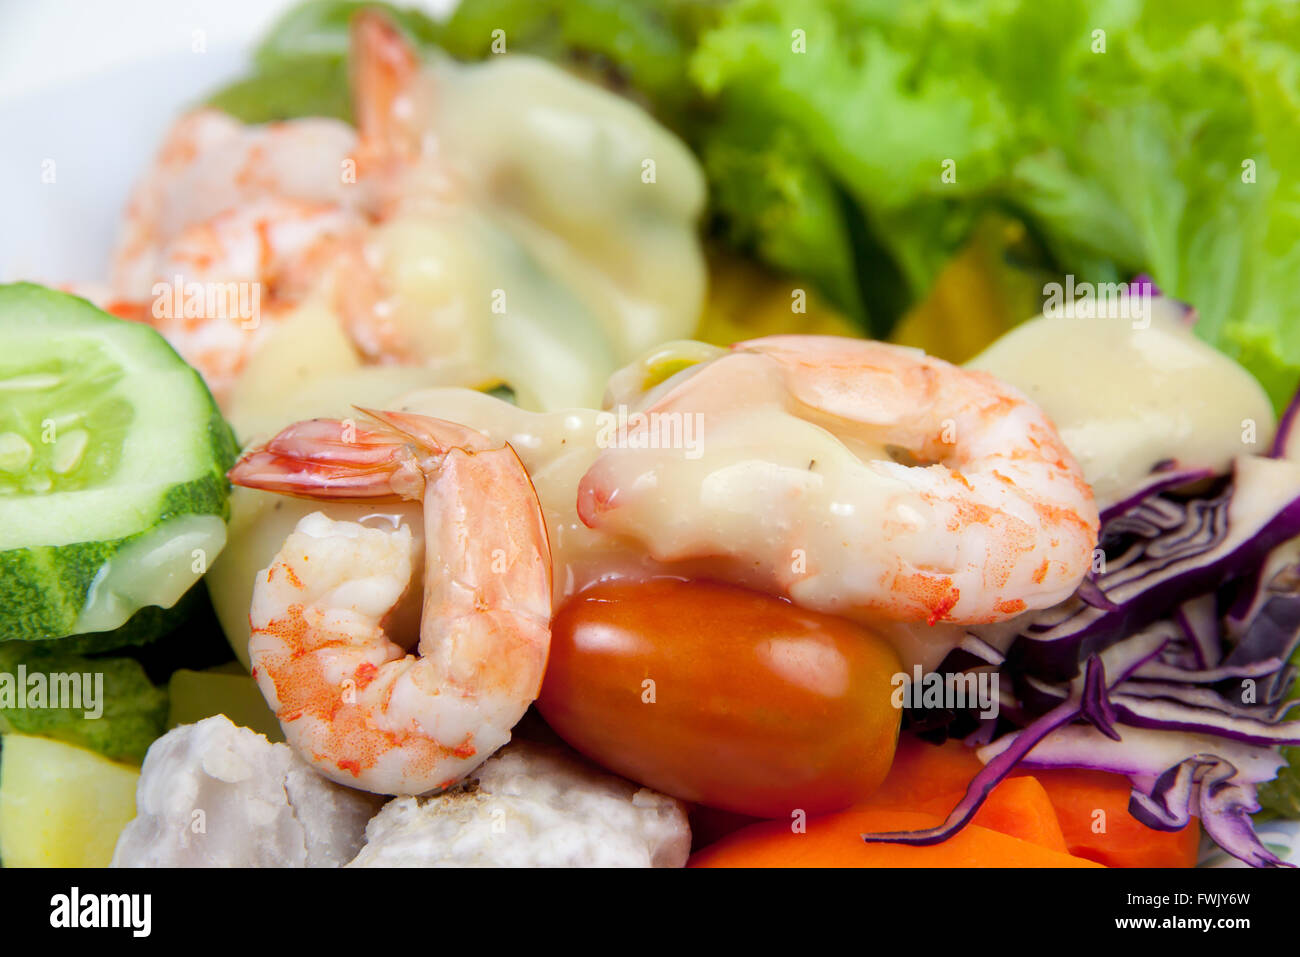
722, 695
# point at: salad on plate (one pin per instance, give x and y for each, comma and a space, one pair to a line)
666, 434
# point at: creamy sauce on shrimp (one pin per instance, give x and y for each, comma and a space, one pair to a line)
558, 449
555, 447
529, 252
1125, 397
536, 248
1180, 400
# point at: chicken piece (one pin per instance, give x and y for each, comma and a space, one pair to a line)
531, 805
213, 794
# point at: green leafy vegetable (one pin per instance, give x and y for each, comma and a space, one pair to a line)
645, 43
301, 66
781, 204
1132, 136
320, 28
293, 87
1281, 796
857, 143
126, 711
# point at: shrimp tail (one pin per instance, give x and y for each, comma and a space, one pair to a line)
333, 459
433, 435
356, 704
384, 70
343, 459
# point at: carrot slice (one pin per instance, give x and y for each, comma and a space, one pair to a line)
1092, 808
1080, 812
1018, 807
922, 771
834, 840
929, 778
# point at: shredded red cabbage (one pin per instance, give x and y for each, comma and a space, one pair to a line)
1143, 672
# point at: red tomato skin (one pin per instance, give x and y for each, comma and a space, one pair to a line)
723, 696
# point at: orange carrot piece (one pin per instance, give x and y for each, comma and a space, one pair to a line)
1092, 808
834, 840
1055, 809
922, 771
929, 778
1018, 807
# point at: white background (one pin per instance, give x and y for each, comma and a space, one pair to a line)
93, 85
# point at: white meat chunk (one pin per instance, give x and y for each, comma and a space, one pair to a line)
213, 794
531, 805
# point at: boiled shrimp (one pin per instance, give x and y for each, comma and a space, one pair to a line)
231, 208
349, 697
278, 206
855, 478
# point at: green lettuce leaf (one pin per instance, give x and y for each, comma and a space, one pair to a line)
301, 66
1132, 136
1281, 796
290, 88
640, 46
857, 143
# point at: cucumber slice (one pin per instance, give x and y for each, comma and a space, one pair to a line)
113, 495
145, 627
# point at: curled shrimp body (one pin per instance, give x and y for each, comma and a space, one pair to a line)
853, 477
211, 165
225, 210
277, 206
349, 697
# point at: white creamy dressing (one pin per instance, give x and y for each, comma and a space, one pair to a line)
772, 496
1123, 398
1126, 398
588, 183
558, 448
549, 250
309, 368
543, 253
555, 447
